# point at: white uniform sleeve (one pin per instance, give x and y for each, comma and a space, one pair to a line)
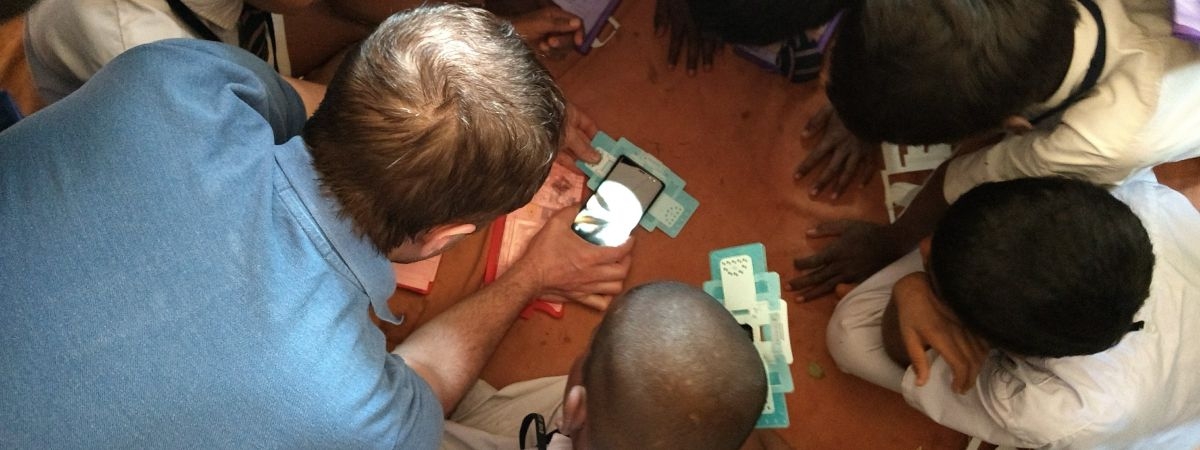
68, 41
1010, 404
1096, 139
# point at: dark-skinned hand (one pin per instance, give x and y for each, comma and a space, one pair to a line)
859, 250
673, 17
549, 30
926, 322
846, 157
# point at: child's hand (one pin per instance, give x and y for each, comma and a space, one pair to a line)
926, 322
849, 157
550, 31
675, 17
860, 249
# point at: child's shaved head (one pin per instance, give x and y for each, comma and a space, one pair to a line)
670, 368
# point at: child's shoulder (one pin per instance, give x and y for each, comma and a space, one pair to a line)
1048, 400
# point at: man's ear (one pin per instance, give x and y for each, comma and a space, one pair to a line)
574, 410
438, 238
1017, 125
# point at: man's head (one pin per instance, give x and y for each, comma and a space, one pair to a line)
937, 71
668, 368
440, 120
1045, 267
760, 22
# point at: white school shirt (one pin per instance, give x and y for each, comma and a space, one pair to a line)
1144, 110
1144, 393
67, 41
488, 418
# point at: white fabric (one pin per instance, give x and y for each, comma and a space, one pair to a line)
1143, 393
488, 419
67, 41
854, 336
1144, 111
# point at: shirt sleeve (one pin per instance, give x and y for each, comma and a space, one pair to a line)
1096, 139
201, 78
415, 409
1064, 151
1012, 403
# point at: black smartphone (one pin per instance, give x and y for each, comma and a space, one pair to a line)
618, 204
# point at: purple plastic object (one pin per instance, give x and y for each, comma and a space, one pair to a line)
1187, 20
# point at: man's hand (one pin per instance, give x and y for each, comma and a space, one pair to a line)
861, 249
577, 138
561, 265
674, 17
926, 322
549, 30
849, 157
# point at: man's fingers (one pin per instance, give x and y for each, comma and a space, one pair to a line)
611, 287
616, 254
606, 273
596, 301
626, 260
554, 298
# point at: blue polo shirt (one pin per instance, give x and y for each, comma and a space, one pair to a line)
172, 275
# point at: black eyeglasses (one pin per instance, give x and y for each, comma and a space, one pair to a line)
537, 436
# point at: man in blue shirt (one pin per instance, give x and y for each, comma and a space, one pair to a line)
189, 263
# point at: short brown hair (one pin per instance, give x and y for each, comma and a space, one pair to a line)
441, 116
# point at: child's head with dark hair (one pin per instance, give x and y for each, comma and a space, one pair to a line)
1044, 267
937, 71
759, 22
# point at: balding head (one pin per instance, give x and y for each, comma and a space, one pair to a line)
670, 368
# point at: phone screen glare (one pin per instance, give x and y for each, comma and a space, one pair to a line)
618, 204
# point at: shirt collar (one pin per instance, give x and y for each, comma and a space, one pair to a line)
1087, 33
366, 265
221, 13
